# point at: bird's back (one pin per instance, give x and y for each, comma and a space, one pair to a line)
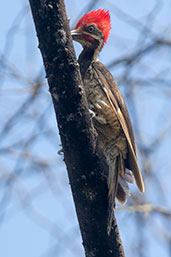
119, 108
115, 140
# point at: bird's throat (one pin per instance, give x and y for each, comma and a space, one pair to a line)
88, 55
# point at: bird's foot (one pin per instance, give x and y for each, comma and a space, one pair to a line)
92, 114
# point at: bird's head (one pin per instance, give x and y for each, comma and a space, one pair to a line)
93, 29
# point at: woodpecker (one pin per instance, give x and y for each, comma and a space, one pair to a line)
115, 138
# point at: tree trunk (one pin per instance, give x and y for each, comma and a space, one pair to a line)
85, 169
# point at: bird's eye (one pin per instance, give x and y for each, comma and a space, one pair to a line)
91, 28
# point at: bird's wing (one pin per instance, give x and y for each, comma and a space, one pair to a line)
116, 100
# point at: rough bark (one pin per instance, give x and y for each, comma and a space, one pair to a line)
85, 171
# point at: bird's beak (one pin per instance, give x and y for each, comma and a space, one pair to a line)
76, 35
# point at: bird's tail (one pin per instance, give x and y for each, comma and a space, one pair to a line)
117, 185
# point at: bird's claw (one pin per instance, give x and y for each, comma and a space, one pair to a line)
92, 114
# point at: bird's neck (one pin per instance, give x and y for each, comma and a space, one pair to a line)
89, 55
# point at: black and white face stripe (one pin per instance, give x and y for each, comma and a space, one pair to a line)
93, 31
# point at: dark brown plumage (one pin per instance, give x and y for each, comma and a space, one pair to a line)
115, 139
